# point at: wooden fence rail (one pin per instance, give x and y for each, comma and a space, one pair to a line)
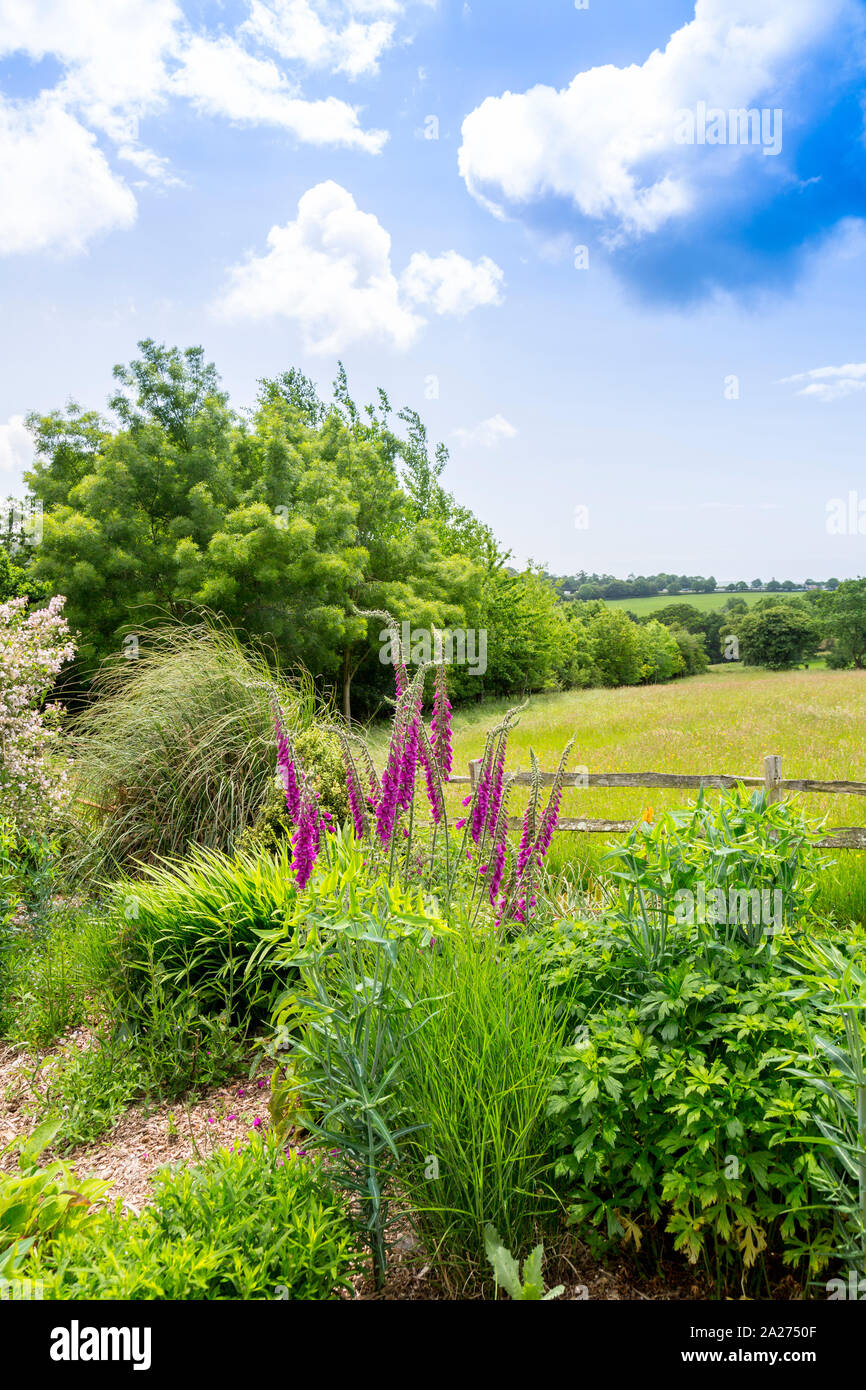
771, 779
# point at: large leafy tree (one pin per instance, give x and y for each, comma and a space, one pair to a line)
287, 524
777, 634
847, 622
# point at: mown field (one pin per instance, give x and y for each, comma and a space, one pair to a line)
724, 721
705, 603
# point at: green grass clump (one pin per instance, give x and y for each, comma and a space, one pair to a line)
50, 975
477, 1077
178, 749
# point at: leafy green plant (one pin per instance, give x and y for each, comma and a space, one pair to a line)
507, 1272
51, 978
835, 981
248, 1224
88, 1089
741, 868
196, 924
478, 1080
37, 1203
356, 1020
678, 1120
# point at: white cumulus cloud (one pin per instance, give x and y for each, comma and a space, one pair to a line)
330, 271
59, 190
16, 446
298, 29
486, 435
450, 283
609, 141
830, 383
221, 79
124, 61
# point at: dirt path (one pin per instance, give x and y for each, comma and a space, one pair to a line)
146, 1137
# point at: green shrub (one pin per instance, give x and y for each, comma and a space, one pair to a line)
195, 924
478, 1078
178, 750
250, 1224
747, 868
680, 1119
320, 755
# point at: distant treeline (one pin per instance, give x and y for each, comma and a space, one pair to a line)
594, 586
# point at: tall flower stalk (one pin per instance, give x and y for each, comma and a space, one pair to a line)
518, 900
383, 810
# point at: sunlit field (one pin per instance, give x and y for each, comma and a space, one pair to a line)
705, 603
723, 722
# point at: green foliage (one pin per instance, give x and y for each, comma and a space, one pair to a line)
693, 651
245, 1225
834, 981
777, 635
282, 523
16, 577
507, 1272
37, 1204
679, 1116
847, 622
318, 749
478, 1078
179, 748
661, 655
745, 864
50, 974
192, 928
356, 1018
88, 1089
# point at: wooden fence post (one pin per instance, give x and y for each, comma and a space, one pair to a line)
773, 777
474, 773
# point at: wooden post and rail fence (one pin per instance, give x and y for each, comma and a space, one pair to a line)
771, 780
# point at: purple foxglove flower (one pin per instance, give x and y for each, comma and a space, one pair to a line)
492, 816
440, 726
306, 841
482, 799
286, 765
408, 765
525, 849
386, 811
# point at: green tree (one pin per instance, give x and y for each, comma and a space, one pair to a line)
286, 524
847, 622
778, 635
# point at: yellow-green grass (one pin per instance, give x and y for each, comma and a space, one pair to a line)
724, 721
705, 603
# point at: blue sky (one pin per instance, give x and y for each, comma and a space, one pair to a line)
406, 185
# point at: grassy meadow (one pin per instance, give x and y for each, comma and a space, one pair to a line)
705, 603
724, 721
